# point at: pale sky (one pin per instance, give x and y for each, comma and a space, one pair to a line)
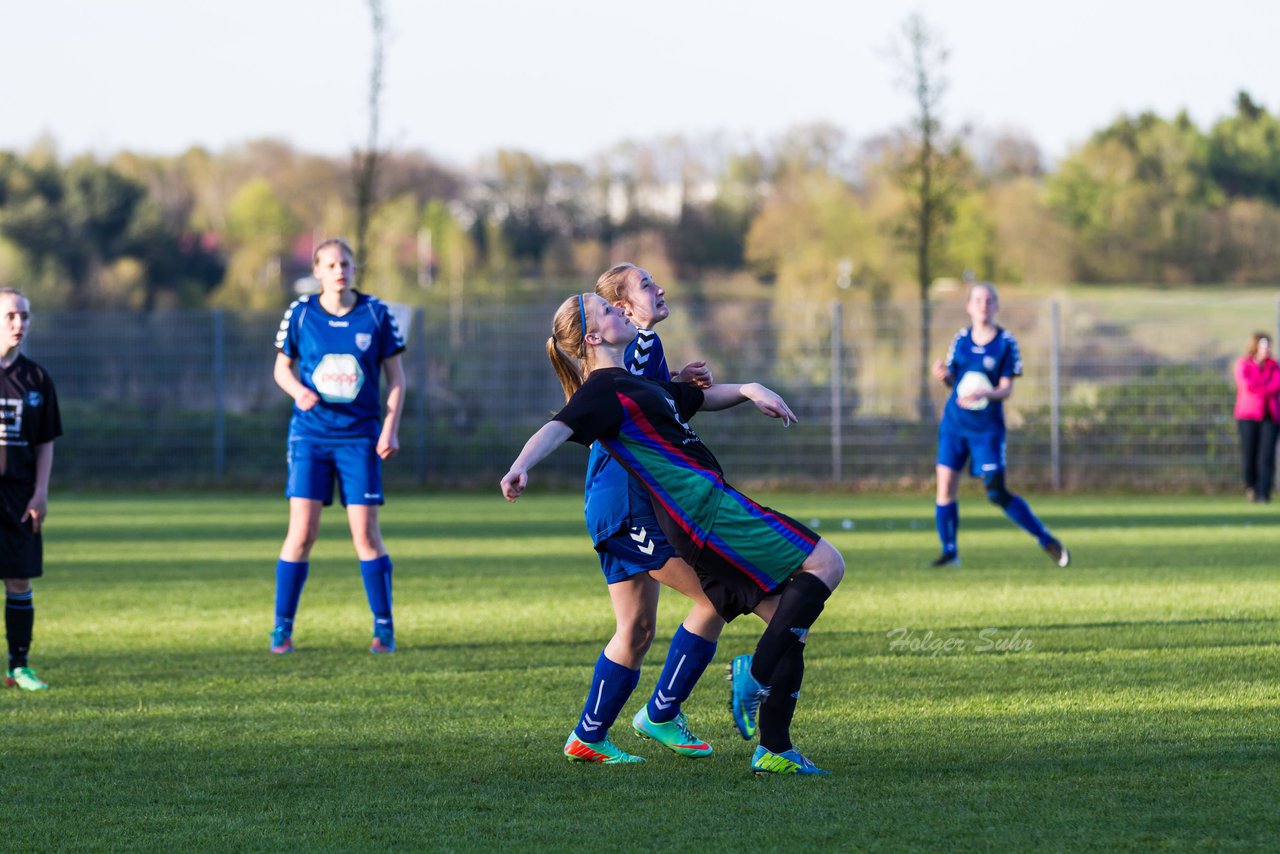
564, 79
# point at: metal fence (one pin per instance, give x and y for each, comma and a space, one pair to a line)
1126, 389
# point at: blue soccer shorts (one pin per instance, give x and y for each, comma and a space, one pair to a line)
631, 551
984, 451
354, 463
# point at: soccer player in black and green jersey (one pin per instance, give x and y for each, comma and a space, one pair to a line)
748, 558
29, 422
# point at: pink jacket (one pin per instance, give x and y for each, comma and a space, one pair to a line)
1257, 390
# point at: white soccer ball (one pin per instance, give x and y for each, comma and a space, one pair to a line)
969, 383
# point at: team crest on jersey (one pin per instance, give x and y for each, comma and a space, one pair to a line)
34, 398
363, 340
338, 378
989, 362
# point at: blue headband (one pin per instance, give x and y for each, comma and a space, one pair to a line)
582, 313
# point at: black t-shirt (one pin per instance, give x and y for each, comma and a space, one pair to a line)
643, 424
28, 417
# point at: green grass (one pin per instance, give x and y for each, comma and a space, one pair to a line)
1143, 715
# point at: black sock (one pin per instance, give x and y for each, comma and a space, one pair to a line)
779, 707
19, 618
801, 603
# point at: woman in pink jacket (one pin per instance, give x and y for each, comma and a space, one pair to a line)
1258, 415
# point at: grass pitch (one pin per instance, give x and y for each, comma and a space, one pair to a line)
1128, 702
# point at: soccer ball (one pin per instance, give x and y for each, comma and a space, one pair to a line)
969, 383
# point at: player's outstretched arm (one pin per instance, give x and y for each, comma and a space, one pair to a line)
725, 395
550, 436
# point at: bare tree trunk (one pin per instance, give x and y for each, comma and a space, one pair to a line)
366, 162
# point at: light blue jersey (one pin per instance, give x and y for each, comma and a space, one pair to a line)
612, 497
339, 359
996, 359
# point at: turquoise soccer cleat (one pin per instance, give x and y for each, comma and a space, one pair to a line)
745, 695
603, 752
384, 641
281, 642
26, 679
673, 735
787, 762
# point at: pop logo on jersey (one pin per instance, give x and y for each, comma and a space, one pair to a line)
338, 378
363, 340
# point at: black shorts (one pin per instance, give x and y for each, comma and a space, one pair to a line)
21, 552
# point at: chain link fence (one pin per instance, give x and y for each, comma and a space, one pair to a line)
1122, 390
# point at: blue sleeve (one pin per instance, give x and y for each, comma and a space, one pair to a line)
287, 337
391, 342
1012, 358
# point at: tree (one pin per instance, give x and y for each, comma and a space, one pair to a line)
1244, 152
366, 161
927, 173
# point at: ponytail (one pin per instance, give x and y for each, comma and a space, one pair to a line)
567, 348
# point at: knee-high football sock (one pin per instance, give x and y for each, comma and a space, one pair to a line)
687, 658
376, 574
802, 601
290, 578
611, 685
19, 619
947, 517
779, 707
1020, 512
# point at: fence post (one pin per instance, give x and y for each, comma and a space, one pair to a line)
837, 391
219, 406
1055, 396
424, 364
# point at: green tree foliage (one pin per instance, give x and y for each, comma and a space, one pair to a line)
1138, 196
260, 231
1244, 152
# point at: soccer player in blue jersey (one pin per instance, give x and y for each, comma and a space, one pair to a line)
636, 559
29, 422
333, 346
748, 558
972, 428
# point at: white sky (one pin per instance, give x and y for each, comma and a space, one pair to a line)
567, 78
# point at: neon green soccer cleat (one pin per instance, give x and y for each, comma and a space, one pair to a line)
605, 752
787, 762
26, 679
673, 734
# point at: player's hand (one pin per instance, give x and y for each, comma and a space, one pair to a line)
36, 510
307, 399
770, 403
940, 372
514, 482
696, 373
388, 446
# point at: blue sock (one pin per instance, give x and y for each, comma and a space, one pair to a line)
686, 660
1020, 512
611, 685
290, 577
376, 574
947, 517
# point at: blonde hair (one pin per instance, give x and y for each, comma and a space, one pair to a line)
332, 241
613, 282
991, 289
567, 346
